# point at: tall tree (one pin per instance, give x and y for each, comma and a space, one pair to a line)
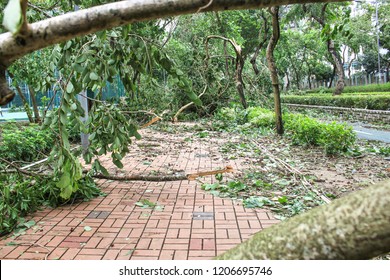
272, 67
320, 15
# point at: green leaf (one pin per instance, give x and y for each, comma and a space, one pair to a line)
13, 19
67, 45
87, 228
118, 163
69, 87
29, 224
65, 186
93, 76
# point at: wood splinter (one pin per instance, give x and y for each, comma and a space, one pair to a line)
227, 169
156, 119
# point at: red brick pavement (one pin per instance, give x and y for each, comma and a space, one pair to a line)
124, 231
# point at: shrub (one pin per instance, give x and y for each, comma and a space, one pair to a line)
333, 137
260, 117
303, 130
348, 89
27, 143
373, 102
336, 138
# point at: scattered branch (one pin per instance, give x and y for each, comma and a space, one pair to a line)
39, 10
175, 117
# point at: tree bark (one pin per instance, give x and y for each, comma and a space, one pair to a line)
261, 44
339, 68
272, 68
353, 227
37, 118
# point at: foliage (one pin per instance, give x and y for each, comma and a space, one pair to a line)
334, 138
356, 89
373, 102
24, 143
20, 196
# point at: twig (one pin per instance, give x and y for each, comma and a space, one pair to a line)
24, 172
39, 10
35, 244
292, 170
205, 7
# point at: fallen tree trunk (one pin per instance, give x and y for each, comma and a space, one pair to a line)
162, 177
356, 226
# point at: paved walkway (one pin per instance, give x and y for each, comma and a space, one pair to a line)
187, 224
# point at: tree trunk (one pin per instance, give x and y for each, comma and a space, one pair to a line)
37, 118
261, 44
353, 227
239, 65
6, 95
24, 100
239, 82
333, 75
272, 68
339, 68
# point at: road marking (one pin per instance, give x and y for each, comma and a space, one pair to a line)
363, 132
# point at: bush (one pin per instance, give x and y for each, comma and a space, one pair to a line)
373, 102
261, 117
333, 137
350, 89
303, 130
336, 138
24, 143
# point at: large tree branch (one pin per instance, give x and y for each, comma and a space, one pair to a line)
65, 27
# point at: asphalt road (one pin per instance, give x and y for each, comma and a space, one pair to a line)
363, 131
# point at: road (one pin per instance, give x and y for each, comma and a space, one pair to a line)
362, 130
16, 116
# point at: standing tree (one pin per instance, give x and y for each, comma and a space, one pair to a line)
322, 17
272, 67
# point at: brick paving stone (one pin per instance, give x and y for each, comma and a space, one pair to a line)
88, 257
19, 250
56, 254
196, 244
4, 251
70, 254
167, 254
180, 255
33, 256
111, 254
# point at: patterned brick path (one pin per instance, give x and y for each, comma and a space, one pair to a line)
188, 223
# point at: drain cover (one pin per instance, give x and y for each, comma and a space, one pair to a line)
203, 216
98, 214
